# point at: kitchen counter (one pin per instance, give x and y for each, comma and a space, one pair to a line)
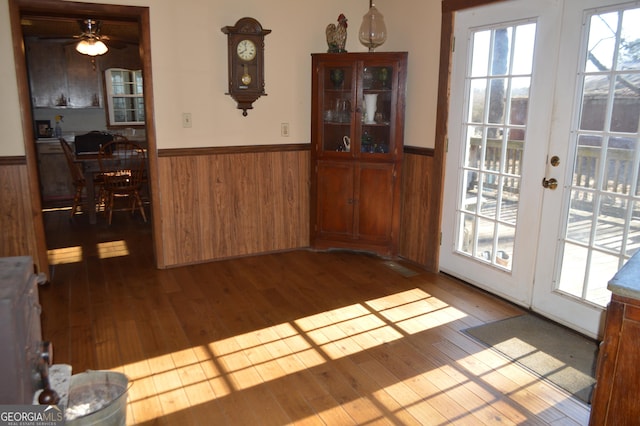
615, 397
626, 282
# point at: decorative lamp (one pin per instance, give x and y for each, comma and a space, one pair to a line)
373, 32
91, 47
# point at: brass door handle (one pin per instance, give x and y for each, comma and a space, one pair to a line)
550, 183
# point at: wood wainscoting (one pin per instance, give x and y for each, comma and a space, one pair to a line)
17, 223
218, 203
420, 215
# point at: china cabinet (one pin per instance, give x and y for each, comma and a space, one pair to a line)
358, 103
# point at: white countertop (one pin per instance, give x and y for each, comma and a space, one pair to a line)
626, 282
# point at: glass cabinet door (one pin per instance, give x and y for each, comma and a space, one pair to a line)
358, 107
377, 110
338, 108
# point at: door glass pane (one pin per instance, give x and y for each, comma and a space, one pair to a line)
626, 109
497, 100
594, 102
498, 87
602, 42
481, 50
477, 101
524, 43
603, 224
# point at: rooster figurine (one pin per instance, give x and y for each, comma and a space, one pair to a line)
337, 35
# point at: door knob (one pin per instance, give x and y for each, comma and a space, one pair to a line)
550, 183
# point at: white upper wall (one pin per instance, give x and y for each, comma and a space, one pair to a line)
189, 62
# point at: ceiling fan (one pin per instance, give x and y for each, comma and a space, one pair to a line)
91, 41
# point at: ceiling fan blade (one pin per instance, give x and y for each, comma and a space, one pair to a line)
116, 44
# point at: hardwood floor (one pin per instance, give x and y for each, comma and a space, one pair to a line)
302, 337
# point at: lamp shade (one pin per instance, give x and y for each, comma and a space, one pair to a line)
91, 47
373, 32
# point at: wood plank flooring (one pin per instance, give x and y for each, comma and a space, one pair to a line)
302, 337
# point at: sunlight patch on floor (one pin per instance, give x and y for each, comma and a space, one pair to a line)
205, 373
65, 255
113, 249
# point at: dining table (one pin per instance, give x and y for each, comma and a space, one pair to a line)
91, 168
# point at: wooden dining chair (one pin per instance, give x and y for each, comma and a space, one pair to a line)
78, 179
123, 166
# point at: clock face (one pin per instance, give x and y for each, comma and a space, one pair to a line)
246, 50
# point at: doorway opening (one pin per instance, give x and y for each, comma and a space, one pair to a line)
77, 103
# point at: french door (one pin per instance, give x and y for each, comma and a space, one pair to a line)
542, 167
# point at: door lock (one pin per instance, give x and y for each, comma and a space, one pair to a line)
550, 183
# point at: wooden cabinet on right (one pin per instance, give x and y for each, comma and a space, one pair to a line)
356, 150
615, 398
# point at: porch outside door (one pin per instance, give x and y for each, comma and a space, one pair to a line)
544, 93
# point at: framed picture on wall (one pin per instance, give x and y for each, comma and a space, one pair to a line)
43, 128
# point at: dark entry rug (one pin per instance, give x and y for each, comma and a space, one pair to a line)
555, 353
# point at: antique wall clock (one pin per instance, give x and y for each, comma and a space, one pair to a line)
246, 62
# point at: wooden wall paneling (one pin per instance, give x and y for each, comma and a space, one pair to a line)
186, 207
224, 213
418, 201
269, 199
169, 221
250, 234
296, 197
216, 206
16, 220
206, 197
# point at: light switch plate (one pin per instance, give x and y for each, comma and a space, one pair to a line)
186, 119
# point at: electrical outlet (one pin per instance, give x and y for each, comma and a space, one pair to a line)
186, 119
284, 130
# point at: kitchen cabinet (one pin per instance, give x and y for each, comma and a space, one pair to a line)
358, 105
20, 330
60, 77
615, 397
84, 82
55, 177
47, 72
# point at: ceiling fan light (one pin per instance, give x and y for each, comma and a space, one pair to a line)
91, 47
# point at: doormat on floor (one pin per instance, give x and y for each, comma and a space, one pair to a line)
551, 351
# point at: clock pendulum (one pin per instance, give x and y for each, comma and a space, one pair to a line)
246, 78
